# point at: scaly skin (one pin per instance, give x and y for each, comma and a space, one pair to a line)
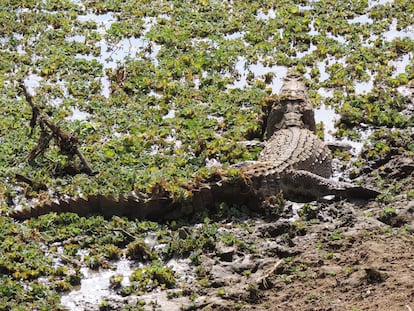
288, 149
294, 161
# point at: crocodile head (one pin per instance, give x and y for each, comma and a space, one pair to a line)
293, 88
293, 108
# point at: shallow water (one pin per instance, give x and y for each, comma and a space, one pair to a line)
95, 285
112, 55
393, 33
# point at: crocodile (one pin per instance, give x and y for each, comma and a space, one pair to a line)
294, 161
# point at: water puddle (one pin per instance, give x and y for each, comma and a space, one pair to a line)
364, 87
338, 38
401, 63
304, 8
312, 48
32, 82
406, 90
95, 285
326, 93
78, 3
114, 54
103, 21
258, 70
270, 14
394, 33
313, 32
325, 65
295, 208
370, 41
362, 19
328, 117
322, 70
234, 36
78, 115
76, 38
210, 163
155, 149
172, 139
169, 115
372, 3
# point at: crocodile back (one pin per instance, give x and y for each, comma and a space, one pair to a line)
288, 149
300, 149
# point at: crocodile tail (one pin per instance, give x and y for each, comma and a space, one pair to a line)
79, 206
131, 206
158, 206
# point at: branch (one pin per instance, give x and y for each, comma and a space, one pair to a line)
35, 110
67, 143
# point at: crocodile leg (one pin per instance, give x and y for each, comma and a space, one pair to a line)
297, 184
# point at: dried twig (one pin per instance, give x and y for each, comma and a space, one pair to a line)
264, 281
67, 143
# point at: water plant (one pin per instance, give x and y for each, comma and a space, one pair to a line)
154, 91
148, 278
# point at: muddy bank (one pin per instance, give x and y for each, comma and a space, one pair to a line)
318, 256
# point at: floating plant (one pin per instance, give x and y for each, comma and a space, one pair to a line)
154, 90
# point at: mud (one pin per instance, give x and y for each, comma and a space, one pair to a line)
323, 256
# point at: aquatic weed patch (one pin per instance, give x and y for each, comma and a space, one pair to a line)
23, 264
155, 90
146, 279
190, 74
